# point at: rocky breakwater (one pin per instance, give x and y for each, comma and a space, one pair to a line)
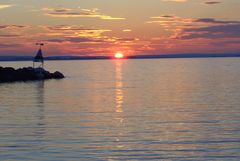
9, 74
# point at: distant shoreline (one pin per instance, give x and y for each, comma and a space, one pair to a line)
165, 56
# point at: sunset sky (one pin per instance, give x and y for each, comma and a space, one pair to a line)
133, 27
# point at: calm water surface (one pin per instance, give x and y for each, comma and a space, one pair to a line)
159, 109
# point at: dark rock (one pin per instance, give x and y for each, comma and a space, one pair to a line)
9, 74
58, 75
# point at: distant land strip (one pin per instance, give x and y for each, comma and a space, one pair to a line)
166, 56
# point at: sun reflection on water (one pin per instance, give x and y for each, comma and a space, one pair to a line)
119, 100
119, 87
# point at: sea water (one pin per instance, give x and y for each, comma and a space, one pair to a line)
150, 109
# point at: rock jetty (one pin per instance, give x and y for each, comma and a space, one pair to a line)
9, 74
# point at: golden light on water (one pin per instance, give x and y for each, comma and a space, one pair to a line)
119, 85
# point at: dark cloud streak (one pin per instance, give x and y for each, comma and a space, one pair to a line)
212, 32
212, 20
212, 2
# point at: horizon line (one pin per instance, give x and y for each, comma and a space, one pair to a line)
155, 56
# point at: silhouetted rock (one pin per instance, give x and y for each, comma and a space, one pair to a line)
9, 74
58, 75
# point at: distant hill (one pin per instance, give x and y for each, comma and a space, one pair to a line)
16, 58
183, 56
30, 58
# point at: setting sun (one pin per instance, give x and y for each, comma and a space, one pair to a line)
118, 55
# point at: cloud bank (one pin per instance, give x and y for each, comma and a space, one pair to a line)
71, 13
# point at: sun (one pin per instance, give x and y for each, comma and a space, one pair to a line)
118, 55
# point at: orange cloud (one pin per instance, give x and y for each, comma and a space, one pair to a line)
3, 6
75, 31
174, 22
127, 30
88, 13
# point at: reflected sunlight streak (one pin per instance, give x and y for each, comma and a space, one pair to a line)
119, 85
